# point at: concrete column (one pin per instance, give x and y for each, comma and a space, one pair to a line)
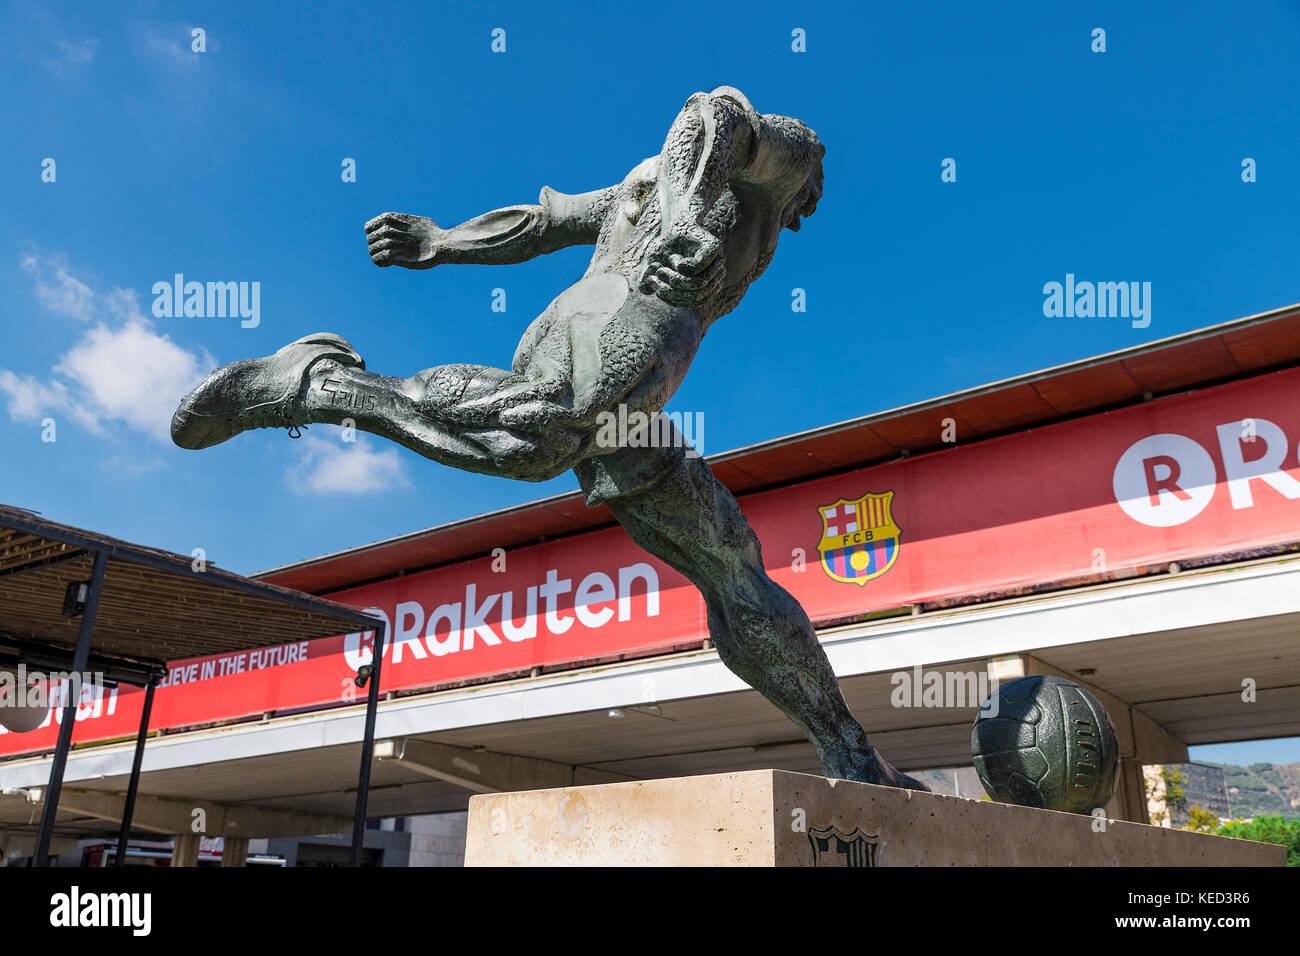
234, 851
437, 839
1130, 800
185, 850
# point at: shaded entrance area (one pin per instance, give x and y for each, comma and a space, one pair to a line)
80, 611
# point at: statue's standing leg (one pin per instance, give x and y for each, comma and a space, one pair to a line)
689, 520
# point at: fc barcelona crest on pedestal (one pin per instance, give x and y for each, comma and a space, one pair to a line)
860, 540
831, 846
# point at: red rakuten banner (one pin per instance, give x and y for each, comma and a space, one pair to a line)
1212, 471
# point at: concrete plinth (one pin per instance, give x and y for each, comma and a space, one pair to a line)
776, 818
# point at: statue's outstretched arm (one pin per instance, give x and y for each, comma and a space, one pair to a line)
501, 237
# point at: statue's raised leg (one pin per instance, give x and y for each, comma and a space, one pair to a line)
475, 418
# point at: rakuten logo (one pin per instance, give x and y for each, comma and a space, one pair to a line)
1166, 480
452, 628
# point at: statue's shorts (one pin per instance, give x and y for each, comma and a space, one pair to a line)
671, 504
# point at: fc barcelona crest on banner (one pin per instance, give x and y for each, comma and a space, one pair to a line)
860, 540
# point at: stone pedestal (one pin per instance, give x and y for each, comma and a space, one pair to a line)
777, 818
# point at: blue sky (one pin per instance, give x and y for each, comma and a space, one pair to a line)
1276, 750
225, 166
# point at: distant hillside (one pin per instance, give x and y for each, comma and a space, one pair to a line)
1263, 789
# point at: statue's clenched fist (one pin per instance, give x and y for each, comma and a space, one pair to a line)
398, 239
684, 267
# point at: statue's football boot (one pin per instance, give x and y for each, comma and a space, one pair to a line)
876, 769
263, 392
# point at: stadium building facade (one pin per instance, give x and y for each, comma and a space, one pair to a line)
1131, 522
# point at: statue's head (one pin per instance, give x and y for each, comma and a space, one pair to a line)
804, 203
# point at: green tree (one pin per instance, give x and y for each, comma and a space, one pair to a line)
1200, 821
1175, 798
1267, 830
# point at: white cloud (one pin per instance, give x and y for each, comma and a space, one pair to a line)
133, 374
165, 45
77, 51
58, 43
29, 398
57, 289
134, 465
120, 370
337, 467
177, 82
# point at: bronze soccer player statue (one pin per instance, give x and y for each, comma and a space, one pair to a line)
678, 242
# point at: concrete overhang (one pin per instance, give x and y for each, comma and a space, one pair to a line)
1176, 649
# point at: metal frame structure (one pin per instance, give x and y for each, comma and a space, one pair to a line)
149, 673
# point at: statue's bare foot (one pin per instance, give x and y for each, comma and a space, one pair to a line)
867, 766
262, 392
